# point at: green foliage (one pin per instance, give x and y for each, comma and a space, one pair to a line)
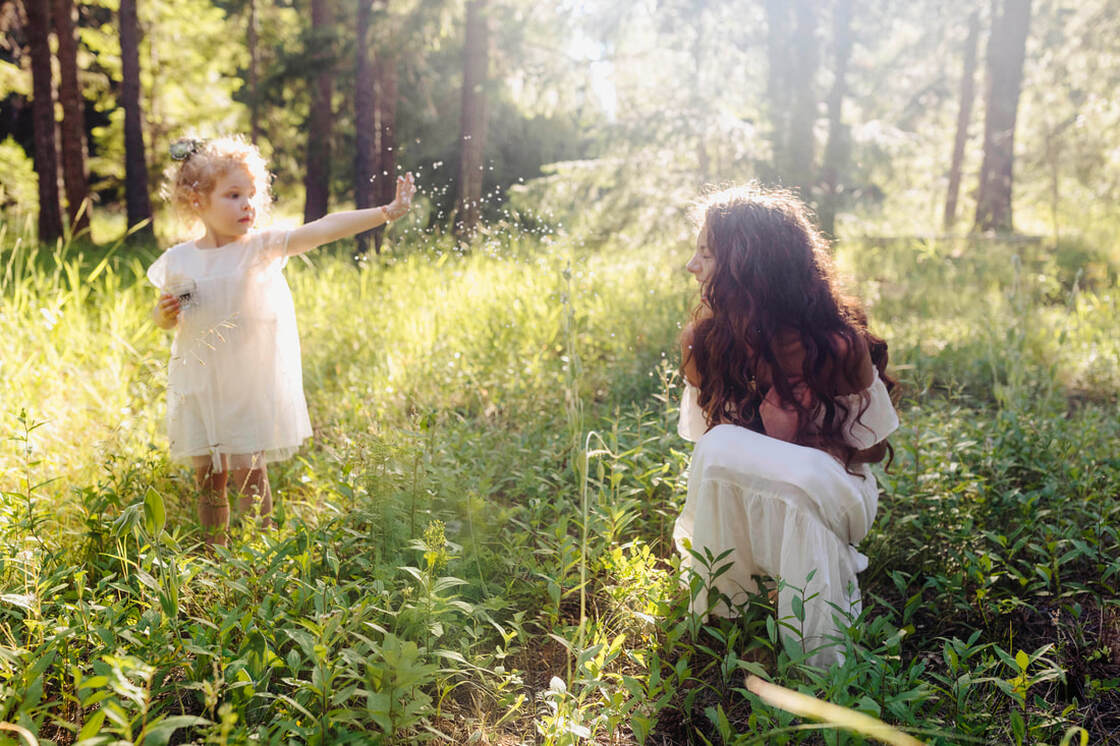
456, 558
17, 177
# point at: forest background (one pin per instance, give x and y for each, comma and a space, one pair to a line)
476, 545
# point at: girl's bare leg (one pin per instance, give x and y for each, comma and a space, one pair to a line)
213, 504
255, 493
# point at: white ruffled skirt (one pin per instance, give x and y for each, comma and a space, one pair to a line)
784, 511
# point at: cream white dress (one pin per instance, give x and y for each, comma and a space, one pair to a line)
234, 384
784, 511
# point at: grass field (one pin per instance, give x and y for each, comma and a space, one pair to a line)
475, 547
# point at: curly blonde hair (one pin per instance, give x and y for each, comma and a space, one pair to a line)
189, 182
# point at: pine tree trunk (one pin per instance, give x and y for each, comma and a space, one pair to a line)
73, 140
964, 117
836, 151
137, 200
472, 122
254, 61
803, 111
42, 113
1006, 52
364, 121
318, 174
699, 42
778, 83
385, 185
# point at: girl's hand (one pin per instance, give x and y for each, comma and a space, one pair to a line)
166, 312
406, 187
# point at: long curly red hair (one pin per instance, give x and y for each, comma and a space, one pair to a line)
772, 289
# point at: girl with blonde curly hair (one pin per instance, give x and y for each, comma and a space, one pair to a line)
235, 388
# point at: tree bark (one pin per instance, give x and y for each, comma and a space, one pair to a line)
964, 118
137, 200
42, 113
73, 138
472, 121
1006, 52
803, 111
792, 53
699, 42
318, 174
836, 150
254, 55
385, 186
778, 82
364, 121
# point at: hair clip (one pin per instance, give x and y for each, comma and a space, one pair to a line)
181, 150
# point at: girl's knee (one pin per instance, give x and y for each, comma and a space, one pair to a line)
252, 481
213, 499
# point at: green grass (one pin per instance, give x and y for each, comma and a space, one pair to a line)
445, 568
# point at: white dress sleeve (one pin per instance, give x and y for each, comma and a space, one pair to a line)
157, 273
877, 422
273, 245
692, 423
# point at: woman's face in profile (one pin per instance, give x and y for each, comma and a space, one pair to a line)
703, 261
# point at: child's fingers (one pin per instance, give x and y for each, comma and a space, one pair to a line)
407, 184
169, 306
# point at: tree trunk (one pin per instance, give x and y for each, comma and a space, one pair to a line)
1006, 51
364, 124
777, 82
254, 54
472, 122
137, 200
73, 138
699, 41
836, 151
803, 111
42, 113
318, 175
385, 186
964, 117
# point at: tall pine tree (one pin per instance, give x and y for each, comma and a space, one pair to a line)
42, 112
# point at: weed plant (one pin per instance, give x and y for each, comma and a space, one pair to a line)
457, 559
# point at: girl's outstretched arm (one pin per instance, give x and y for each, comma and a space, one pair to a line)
351, 222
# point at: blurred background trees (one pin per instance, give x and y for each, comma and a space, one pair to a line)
890, 117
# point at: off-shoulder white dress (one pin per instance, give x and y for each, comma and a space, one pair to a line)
784, 511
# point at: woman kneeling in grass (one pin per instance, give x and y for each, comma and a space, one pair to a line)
787, 398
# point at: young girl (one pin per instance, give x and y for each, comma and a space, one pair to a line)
787, 397
235, 389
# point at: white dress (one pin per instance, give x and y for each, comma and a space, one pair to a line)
234, 383
784, 511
